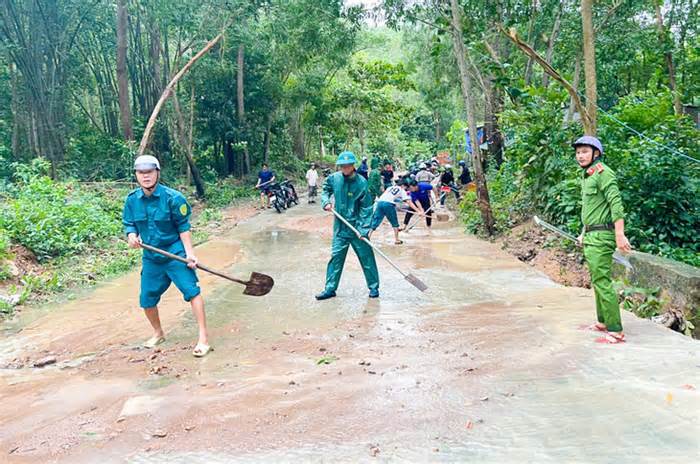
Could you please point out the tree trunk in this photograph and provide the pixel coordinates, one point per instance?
(321, 147)
(589, 67)
(241, 107)
(493, 104)
(186, 148)
(530, 33)
(668, 56)
(460, 55)
(266, 142)
(122, 77)
(298, 133)
(550, 42)
(577, 79)
(169, 90)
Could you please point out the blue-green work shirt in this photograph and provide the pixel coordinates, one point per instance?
(158, 219)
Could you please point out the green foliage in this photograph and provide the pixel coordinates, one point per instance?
(644, 302)
(660, 191)
(506, 202)
(51, 218)
(224, 192)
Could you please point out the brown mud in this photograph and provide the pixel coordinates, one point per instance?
(488, 365)
(533, 245)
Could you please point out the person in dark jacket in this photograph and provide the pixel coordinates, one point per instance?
(447, 182)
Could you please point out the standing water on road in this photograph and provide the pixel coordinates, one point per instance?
(486, 366)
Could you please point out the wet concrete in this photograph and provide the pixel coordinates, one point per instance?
(487, 366)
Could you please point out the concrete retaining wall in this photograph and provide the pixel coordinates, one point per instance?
(680, 281)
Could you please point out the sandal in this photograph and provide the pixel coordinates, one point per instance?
(201, 350)
(597, 327)
(153, 342)
(398, 242)
(611, 338)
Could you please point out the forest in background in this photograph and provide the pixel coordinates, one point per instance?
(289, 82)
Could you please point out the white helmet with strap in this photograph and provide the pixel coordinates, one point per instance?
(146, 163)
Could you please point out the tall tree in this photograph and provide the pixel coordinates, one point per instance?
(665, 45)
(240, 99)
(122, 76)
(465, 79)
(589, 66)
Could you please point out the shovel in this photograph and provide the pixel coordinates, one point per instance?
(617, 256)
(413, 280)
(258, 285)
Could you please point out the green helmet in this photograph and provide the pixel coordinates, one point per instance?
(346, 157)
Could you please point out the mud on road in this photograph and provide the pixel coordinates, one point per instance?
(487, 366)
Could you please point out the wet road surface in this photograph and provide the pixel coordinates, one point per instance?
(487, 366)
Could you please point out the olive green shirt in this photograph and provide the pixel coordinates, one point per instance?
(601, 197)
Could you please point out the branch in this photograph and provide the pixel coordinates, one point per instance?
(513, 36)
(169, 91)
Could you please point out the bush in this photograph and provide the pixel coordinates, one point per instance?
(51, 218)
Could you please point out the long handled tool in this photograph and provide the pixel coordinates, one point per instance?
(425, 213)
(617, 256)
(413, 280)
(258, 285)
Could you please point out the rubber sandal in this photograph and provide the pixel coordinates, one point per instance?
(153, 342)
(592, 328)
(201, 351)
(611, 339)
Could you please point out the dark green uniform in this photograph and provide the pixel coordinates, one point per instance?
(159, 219)
(375, 180)
(353, 202)
(602, 206)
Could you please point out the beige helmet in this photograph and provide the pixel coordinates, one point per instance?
(146, 163)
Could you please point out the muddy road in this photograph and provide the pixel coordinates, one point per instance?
(487, 366)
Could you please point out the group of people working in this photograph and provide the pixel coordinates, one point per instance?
(159, 216)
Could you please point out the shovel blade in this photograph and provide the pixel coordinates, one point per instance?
(416, 282)
(259, 284)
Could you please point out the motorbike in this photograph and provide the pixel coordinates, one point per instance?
(291, 196)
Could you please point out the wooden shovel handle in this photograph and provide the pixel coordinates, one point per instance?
(184, 260)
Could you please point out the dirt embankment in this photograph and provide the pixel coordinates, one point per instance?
(533, 245)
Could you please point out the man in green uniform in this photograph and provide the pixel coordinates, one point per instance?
(374, 183)
(159, 216)
(603, 221)
(352, 202)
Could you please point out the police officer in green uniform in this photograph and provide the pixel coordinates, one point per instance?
(603, 221)
(353, 202)
(159, 216)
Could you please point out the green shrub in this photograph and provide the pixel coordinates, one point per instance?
(52, 218)
(222, 193)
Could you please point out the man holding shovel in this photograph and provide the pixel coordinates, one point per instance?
(158, 216)
(354, 204)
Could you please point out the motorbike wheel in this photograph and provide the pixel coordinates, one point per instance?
(276, 204)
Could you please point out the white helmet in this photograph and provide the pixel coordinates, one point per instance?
(146, 163)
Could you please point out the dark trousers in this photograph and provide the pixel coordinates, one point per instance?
(443, 195)
(425, 203)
